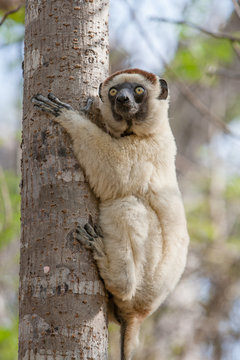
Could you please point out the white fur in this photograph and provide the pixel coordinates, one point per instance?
(143, 252)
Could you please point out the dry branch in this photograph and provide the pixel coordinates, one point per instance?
(9, 13)
(237, 7)
(216, 35)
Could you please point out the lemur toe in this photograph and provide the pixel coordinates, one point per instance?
(98, 230)
(84, 237)
(90, 230)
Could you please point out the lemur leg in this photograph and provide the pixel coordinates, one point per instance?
(119, 254)
(88, 237)
(125, 229)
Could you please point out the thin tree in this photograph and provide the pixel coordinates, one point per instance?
(62, 300)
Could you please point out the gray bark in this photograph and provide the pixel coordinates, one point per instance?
(62, 300)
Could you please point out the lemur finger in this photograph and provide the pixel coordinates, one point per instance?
(54, 99)
(45, 107)
(47, 101)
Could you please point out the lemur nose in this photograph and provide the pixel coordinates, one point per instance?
(122, 98)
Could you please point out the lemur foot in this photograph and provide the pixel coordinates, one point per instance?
(90, 237)
(50, 104)
(86, 235)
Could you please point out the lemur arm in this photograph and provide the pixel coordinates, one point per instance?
(95, 149)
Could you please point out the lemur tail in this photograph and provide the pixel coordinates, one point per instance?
(129, 337)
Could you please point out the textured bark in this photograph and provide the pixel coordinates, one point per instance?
(62, 300)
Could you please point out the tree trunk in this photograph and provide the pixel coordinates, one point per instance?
(62, 300)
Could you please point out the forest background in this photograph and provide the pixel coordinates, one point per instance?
(195, 46)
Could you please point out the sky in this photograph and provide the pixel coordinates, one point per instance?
(11, 85)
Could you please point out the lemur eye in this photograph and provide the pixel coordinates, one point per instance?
(139, 90)
(112, 92)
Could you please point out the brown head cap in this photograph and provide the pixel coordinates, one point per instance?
(149, 76)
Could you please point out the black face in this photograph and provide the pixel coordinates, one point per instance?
(128, 101)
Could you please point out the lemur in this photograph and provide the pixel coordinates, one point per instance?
(130, 167)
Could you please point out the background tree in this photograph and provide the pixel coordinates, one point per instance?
(62, 300)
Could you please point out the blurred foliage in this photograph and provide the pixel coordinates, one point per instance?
(232, 196)
(9, 232)
(233, 109)
(12, 28)
(196, 56)
(9, 342)
(17, 17)
(11, 32)
(10, 212)
(200, 224)
(232, 191)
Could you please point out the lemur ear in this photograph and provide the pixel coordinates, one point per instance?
(99, 91)
(164, 90)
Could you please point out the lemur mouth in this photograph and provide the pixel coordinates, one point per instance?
(126, 109)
